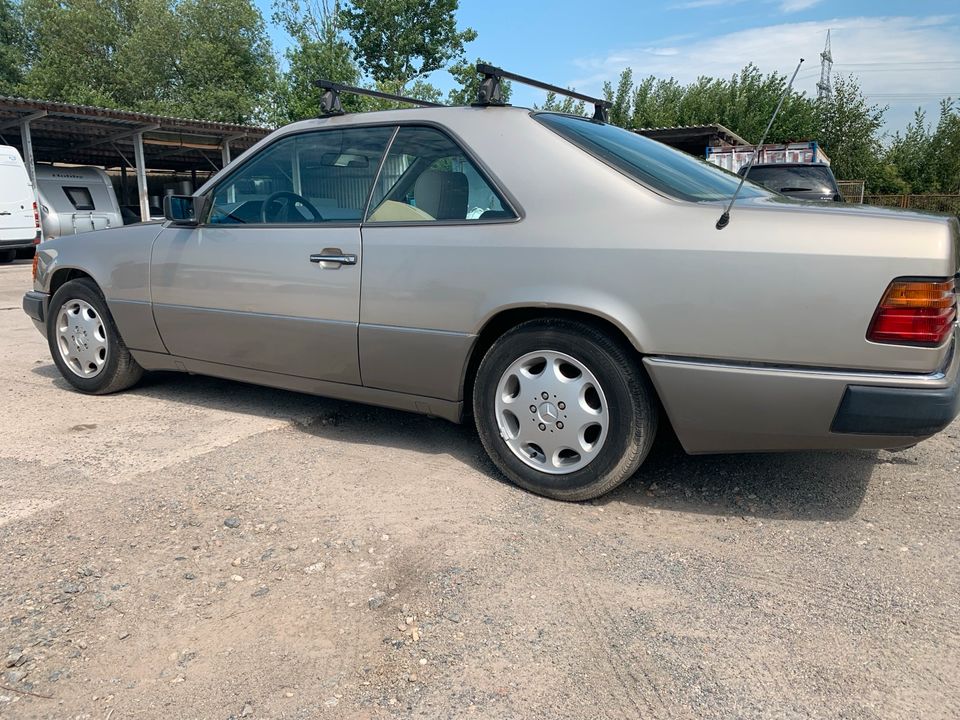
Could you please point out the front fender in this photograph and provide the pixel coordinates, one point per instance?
(118, 261)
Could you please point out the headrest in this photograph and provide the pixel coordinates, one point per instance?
(442, 194)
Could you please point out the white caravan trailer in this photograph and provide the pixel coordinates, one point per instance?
(76, 200)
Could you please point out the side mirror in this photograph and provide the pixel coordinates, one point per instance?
(181, 209)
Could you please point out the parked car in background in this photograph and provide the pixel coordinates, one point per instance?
(19, 222)
(805, 181)
(76, 200)
(557, 279)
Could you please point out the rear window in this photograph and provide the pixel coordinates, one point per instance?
(651, 163)
(809, 178)
(79, 197)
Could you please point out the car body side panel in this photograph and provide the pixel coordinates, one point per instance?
(250, 297)
(118, 260)
(785, 283)
(135, 321)
(420, 362)
(342, 391)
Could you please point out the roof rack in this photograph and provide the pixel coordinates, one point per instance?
(330, 100)
(491, 93)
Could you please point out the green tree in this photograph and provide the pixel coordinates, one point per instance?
(564, 104)
(399, 41)
(209, 59)
(742, 103)
(11, 49)
(71, 49)
(945, 149)
(318, 51)
(620, 112)
(909, 155)
(225, 64)
(849, 130)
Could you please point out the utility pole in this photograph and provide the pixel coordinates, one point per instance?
(826, 65)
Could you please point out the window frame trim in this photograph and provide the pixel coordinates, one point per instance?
(483, 169)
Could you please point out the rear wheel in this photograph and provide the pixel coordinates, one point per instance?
(7, 256)
(563, 409)
(84, 342)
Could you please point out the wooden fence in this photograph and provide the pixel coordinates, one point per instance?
(935, 203)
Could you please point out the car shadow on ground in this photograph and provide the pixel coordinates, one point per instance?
(822, 485)
(802, 486)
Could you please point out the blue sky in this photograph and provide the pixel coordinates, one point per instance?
(904, 54)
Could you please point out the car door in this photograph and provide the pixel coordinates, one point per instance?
(271, 279)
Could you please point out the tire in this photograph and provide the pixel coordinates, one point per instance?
(587, 378)
(7, 256)
(84, 342)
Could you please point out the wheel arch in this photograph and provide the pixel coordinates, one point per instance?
(507, 318)
(62, 275)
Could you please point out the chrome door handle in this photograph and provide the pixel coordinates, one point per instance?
(333, 256)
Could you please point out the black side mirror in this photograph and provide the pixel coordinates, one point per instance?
(181, 209)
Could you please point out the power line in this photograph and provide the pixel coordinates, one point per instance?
(897, 63)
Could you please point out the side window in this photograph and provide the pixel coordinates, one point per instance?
(79, 197)
(316, 177)
(427, 177)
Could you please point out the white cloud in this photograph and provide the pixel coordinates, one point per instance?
(900, 61)
(791, 6)
(786, 6)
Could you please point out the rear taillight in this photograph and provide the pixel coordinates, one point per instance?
(36, 224)
(915, 312)
(36, 259)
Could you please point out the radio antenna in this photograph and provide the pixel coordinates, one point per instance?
(725, 217)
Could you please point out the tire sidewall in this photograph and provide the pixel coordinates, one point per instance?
(86, 291)
(620, 400)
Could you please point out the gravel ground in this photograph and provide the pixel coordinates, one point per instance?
(197, 548)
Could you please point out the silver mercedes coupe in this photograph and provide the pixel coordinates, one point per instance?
(557, 279)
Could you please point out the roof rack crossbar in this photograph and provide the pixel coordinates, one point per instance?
(490, 91)
(330, 100)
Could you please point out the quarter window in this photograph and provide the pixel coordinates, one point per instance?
(426, 177)
(316, 177)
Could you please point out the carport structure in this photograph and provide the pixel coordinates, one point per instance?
(86, 135)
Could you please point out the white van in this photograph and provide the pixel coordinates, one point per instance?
(19, 221)
(76, 200)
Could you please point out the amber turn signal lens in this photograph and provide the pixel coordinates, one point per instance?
(920, 294)
(915, 312)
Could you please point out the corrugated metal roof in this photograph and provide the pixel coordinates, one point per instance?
(93, 111)
(692, 130)
(91, 135)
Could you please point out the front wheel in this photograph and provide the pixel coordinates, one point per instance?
(563, 409)
(84, 342)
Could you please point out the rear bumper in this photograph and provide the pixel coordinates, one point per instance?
(17, 244)
(35, 305)
(897, 411)
(716, 407)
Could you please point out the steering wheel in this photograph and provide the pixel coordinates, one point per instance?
(285, 202)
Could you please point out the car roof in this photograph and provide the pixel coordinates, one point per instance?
(405, 115)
